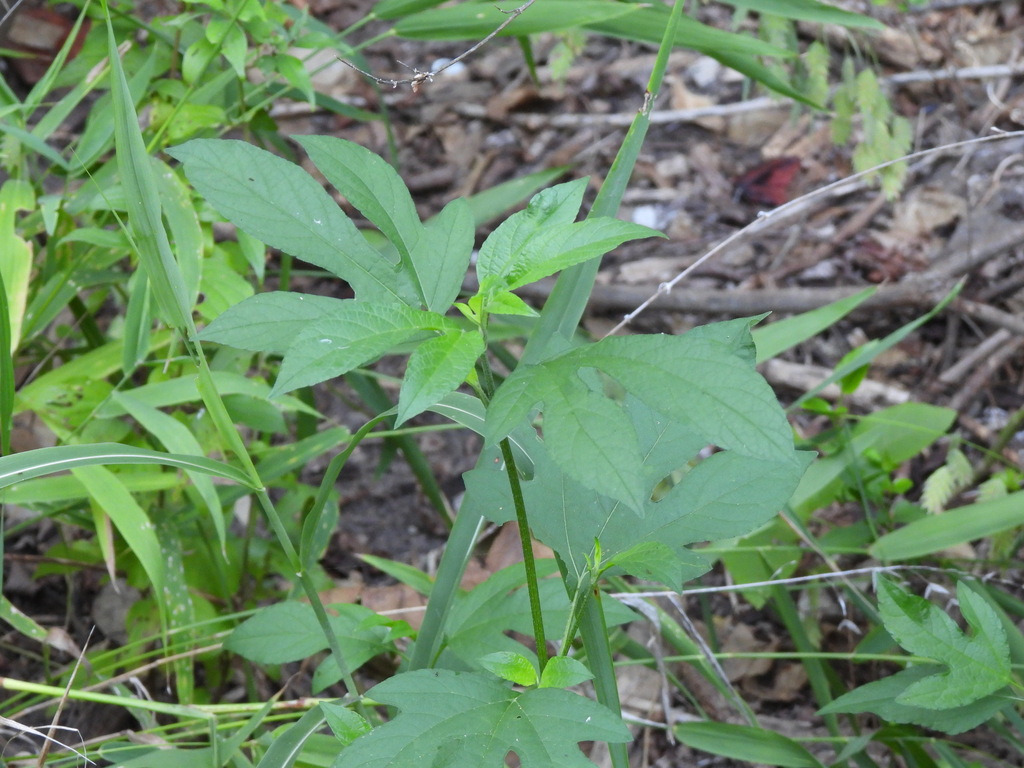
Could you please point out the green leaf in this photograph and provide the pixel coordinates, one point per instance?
(648, 24)
(441, 256)
(354, 334)
(881, 697)
(290, 743)
(476, 20)
(142, 197)
(278, 634)
(724, 496)
(808, 10)
(864, 355)
(289, 631)
(23, 624)
(587, 434)
(402, 572)
(556, 247)
(345, 724)
(169, 392)
(653, 561)
(564, 672)
(743, 742)
(552, 207)
(183, 222)
(437, 367)
(955, 526)
(506, 303)
(704, 380)
(296, 74)
(268, 322)
(46, 461)
(232, 42)
(462, 719)
(131, 521)
(975, 666)
(371, 185)
(776, 338)
(196, 59)
(896, 434)
(283, 206)
(16, 266)
(510, 666)
(393, 9)
(177, 438)
(490, 203)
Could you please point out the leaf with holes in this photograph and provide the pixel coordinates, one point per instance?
(705, 381)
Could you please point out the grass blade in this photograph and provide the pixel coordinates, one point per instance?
(46, 461)
(143, 201)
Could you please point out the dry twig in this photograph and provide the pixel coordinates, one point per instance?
(769, 217)
(418, 77)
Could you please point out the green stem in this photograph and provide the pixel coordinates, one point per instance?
(525, 538)
(527, 544)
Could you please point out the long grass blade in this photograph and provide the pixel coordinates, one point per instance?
(143, 202)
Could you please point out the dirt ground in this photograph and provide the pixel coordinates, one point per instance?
(956, 70)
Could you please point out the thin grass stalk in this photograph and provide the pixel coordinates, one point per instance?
(6, 380)
(564, 308)
(41, 89)
(457, 552)
(817, 673)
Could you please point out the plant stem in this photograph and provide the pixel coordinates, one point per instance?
(525, 538)
(527, 544)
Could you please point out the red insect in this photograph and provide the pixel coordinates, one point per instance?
(767, 183)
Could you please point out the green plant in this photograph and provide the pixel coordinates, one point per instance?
(957, 682)
(602, 452)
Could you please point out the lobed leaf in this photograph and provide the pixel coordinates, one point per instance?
(460, 719)
(704, 381)
(882, 698)
(975, 666)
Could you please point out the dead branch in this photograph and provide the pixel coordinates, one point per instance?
(419, 77)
